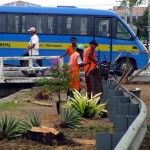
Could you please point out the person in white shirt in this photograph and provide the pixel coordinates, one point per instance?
(33, 49)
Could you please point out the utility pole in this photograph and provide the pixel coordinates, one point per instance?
(149, 24)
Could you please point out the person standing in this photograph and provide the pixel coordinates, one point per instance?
(72, 48)
(33, 49)
(89, 55)
(75, 62)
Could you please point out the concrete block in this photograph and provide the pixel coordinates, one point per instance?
(125, 99)
(111, 94)
(133, 109)
(123, 109)
(103, 141)
(116, 137)
(130, 119)
(115, 111)
(121, 124)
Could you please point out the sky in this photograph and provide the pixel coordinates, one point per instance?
(97, 4)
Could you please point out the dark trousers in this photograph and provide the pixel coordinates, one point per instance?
(88, 84)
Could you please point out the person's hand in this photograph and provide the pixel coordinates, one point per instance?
(26, 51)
(89, 62)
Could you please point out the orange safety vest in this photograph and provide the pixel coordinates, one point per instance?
(91, 66)
(70, 50)
(74, 71)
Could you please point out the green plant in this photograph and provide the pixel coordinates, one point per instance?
(58, 79)
(9, 128)
(148, 132)
(85, 106)
(70, 118)
(30, 120)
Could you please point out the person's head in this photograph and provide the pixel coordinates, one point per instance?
(93, 44)
(73, 41)
(104, 26)
(32, 30)
(80, 49)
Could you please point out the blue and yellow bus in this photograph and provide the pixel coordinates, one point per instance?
(55, 27)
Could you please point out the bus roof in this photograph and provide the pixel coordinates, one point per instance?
(55, 10)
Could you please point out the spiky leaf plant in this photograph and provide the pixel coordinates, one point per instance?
(31, 120)
(70, 118)
(9, 128)
(85, 106)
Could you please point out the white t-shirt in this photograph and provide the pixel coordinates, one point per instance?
(79, 61)
(34, 40)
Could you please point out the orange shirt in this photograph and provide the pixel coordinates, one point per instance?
(74, 72)
(71, 50)
(86, 55)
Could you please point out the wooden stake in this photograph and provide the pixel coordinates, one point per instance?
(123, 78)
(138, 72)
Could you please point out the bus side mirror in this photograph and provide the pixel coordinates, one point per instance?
(138, 32)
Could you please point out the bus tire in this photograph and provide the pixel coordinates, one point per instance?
(122, 66)
(25, 63)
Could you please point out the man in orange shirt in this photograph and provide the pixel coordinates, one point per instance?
(71, 49)
(75, 62)
(89, 55)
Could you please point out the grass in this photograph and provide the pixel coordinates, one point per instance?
(98, 128)
(148, 132)
(10, 105)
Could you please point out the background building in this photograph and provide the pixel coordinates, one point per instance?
(124, 12)
(21, 3)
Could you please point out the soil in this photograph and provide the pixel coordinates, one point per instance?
(80, 138)
(75, 139)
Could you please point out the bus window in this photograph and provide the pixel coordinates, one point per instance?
(65, 25)
(83, 26)
(122, 32)
(13, 24)
(102, 27)
(3, 23)
(45, 24)
(50, 26)
(29, 21)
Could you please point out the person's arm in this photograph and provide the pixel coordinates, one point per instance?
(30, 47)
(64, 54)
(81, 64)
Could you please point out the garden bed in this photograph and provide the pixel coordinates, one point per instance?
(82, 137)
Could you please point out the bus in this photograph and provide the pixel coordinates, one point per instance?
(55, 27)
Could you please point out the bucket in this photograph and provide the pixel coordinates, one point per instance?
(136, 92)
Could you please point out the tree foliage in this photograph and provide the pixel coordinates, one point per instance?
(58, 81)
(142, 24)
(132, 3)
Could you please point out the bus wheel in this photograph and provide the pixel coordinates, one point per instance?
(25, 72)
(122, 66)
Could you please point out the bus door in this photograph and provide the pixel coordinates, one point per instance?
(102, 34)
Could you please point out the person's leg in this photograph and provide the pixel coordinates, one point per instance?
(89, 90)
(35, 64)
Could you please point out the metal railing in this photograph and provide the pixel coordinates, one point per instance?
(20, 68)
(134, 136)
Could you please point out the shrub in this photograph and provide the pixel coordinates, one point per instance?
(58, 79)
(9, 128)
(31, 120)
(70, 118)
(85, 106)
